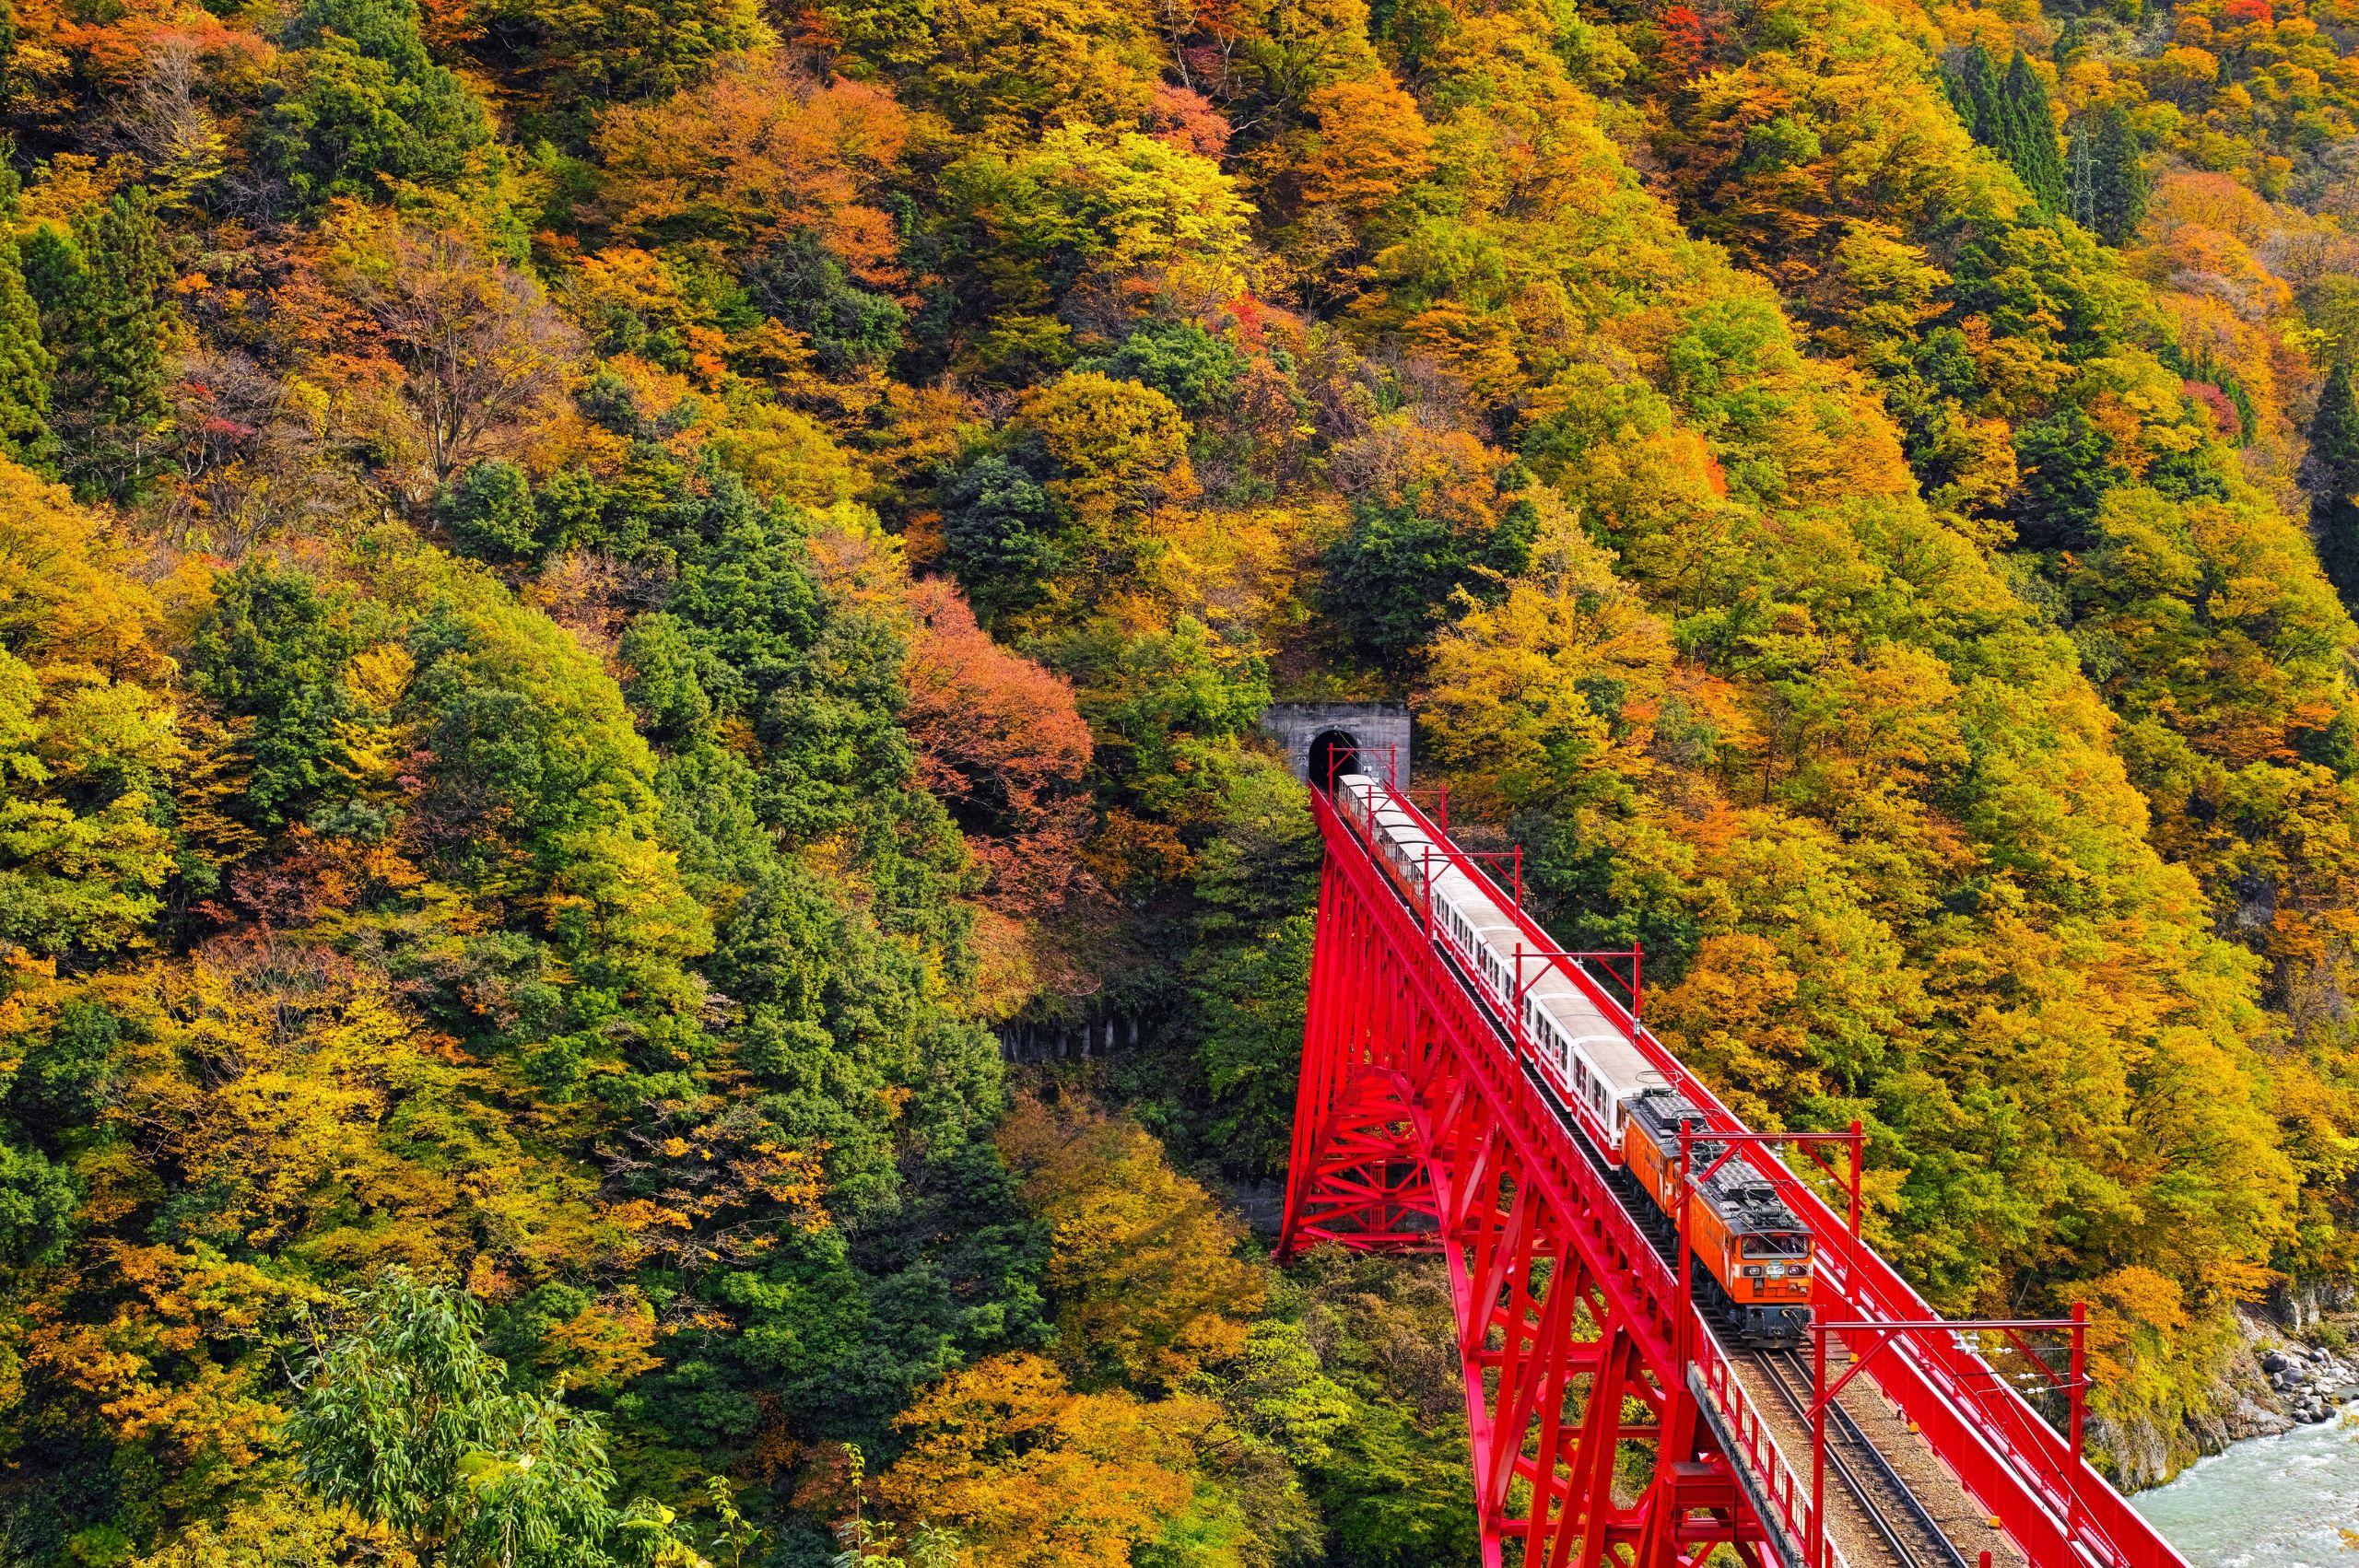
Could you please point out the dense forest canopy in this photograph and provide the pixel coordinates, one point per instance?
(594, 599)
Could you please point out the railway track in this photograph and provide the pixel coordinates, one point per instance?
(1896, 1516)
(1894, 1512)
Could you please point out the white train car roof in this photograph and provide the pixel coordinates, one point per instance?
(1403, 833)
(1450, 887)
(1611, 1054)
(1584, 1023)
(1398, 826)
(1397, 822)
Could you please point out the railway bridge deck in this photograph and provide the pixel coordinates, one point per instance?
(1890, 1501)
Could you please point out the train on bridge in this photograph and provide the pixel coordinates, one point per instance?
(1755, 1255)
(1468, 1087)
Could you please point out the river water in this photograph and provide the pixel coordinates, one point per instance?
(2268, 1503)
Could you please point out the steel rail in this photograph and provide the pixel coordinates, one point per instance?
(1780, 1365)
(1902, 1553)
(2054, 1505)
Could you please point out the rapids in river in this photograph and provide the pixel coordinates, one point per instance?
(2268, 1503)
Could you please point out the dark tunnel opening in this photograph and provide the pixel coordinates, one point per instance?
(1333, 752)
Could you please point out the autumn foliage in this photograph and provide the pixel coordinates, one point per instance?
(621, 625)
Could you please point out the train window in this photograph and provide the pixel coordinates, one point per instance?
(1777, 1244)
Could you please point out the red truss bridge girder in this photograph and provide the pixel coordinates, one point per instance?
(1416, 1130)
(1410, 1134)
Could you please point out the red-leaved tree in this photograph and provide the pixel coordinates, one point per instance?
(1000, 741)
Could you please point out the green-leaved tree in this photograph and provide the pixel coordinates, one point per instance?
(368, 108)
(2029, 141)
(408, 1421)
(2108, 186)
(106, 319)
(25, 367)
(2007, 111)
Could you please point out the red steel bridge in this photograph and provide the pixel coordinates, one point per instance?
(1610, 1425)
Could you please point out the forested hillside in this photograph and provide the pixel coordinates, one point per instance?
(596, 597)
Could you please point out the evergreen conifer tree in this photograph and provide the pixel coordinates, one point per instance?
(1974, 92)
(105, 316)
(2332, 474)
(2108, 186)
(2028, 137)
(2080, 176)
(2007, 111)
(24, 363)
(24, 370)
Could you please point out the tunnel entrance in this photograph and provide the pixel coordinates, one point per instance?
(1311, 735)
(1331, 753)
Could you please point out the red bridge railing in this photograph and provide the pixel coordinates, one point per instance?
(1718, 1474)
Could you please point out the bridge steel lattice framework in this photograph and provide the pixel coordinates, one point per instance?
(1605, 1429)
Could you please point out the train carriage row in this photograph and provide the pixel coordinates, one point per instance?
(1757, 1254)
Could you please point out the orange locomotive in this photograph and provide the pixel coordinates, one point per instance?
(1755, 1255)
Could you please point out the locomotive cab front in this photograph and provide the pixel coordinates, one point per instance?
(1756, 1256)
(1767, 1266)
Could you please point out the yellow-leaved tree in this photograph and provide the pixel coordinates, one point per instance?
(88, 733)
(1143, 1264)
(1032, 1474)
